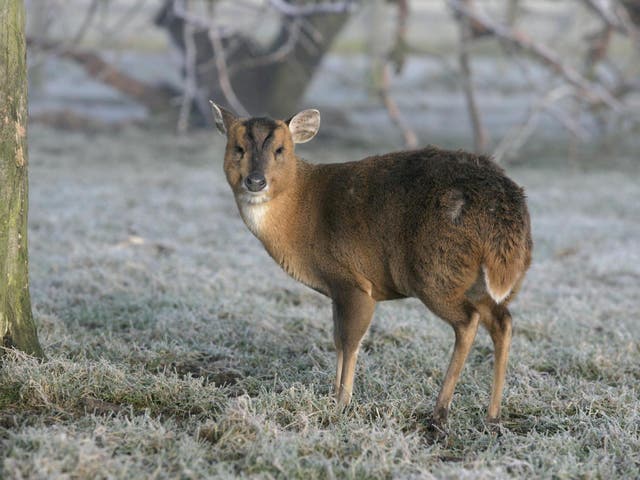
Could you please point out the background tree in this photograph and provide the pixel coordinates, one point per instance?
(17, 328)
(232, 67)
(588, 89)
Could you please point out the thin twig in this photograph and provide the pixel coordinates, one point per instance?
(570, 123)
(190, 82)
(293, 10)
(410, 138)
(518, 135)
(84, 26)
(151, 96)
(276, 56)
(180, 11)
(119, 25)
(594, 92)
(513, 8)
(479, 132)
(311, 38)
(223, 75)
(606, 11)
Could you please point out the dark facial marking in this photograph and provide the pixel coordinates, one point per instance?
(259, 131)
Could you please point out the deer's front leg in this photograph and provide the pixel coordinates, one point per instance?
(352, 314)
(337, 341)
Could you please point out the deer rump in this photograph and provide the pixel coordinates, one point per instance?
(445, 220)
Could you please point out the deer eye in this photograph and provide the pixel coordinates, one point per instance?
(279, 150)
(238, 149)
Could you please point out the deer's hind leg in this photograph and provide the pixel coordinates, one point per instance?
(497, 320)
(464, 318)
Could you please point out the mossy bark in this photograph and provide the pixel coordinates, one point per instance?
(17, 328)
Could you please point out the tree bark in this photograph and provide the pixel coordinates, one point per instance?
(17, 329)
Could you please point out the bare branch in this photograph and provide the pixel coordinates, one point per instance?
(88, 19)
(513, 8)
(595, 93)
(152, 97)
(410, 139)
(292, 10)
(615, 17)
(571, 124)
(126, 17)
(276, 56)
(604, 9)
(598, 48)
(77, 37)
(223, 75)
(630, 22)
(518, 135)
(479, 132)
(180, 11)
(190, 83)
(398, 52)
(626, 87)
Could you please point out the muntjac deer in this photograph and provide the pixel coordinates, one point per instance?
(449, 228)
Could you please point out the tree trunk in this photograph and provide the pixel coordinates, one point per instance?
(16, 322)
(291, 77)
(274, 87)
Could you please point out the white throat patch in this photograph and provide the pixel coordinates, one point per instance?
(253, 211)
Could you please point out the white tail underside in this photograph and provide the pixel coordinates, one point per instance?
(497, 295)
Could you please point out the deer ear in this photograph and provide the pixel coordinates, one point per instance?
(222, 117)
(304, 125)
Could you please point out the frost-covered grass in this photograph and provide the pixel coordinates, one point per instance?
(177, 348)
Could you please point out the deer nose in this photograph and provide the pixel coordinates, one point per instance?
(255, 182)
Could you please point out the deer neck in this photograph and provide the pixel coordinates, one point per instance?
(278, 222)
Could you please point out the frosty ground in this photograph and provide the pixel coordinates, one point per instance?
(178, 349)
